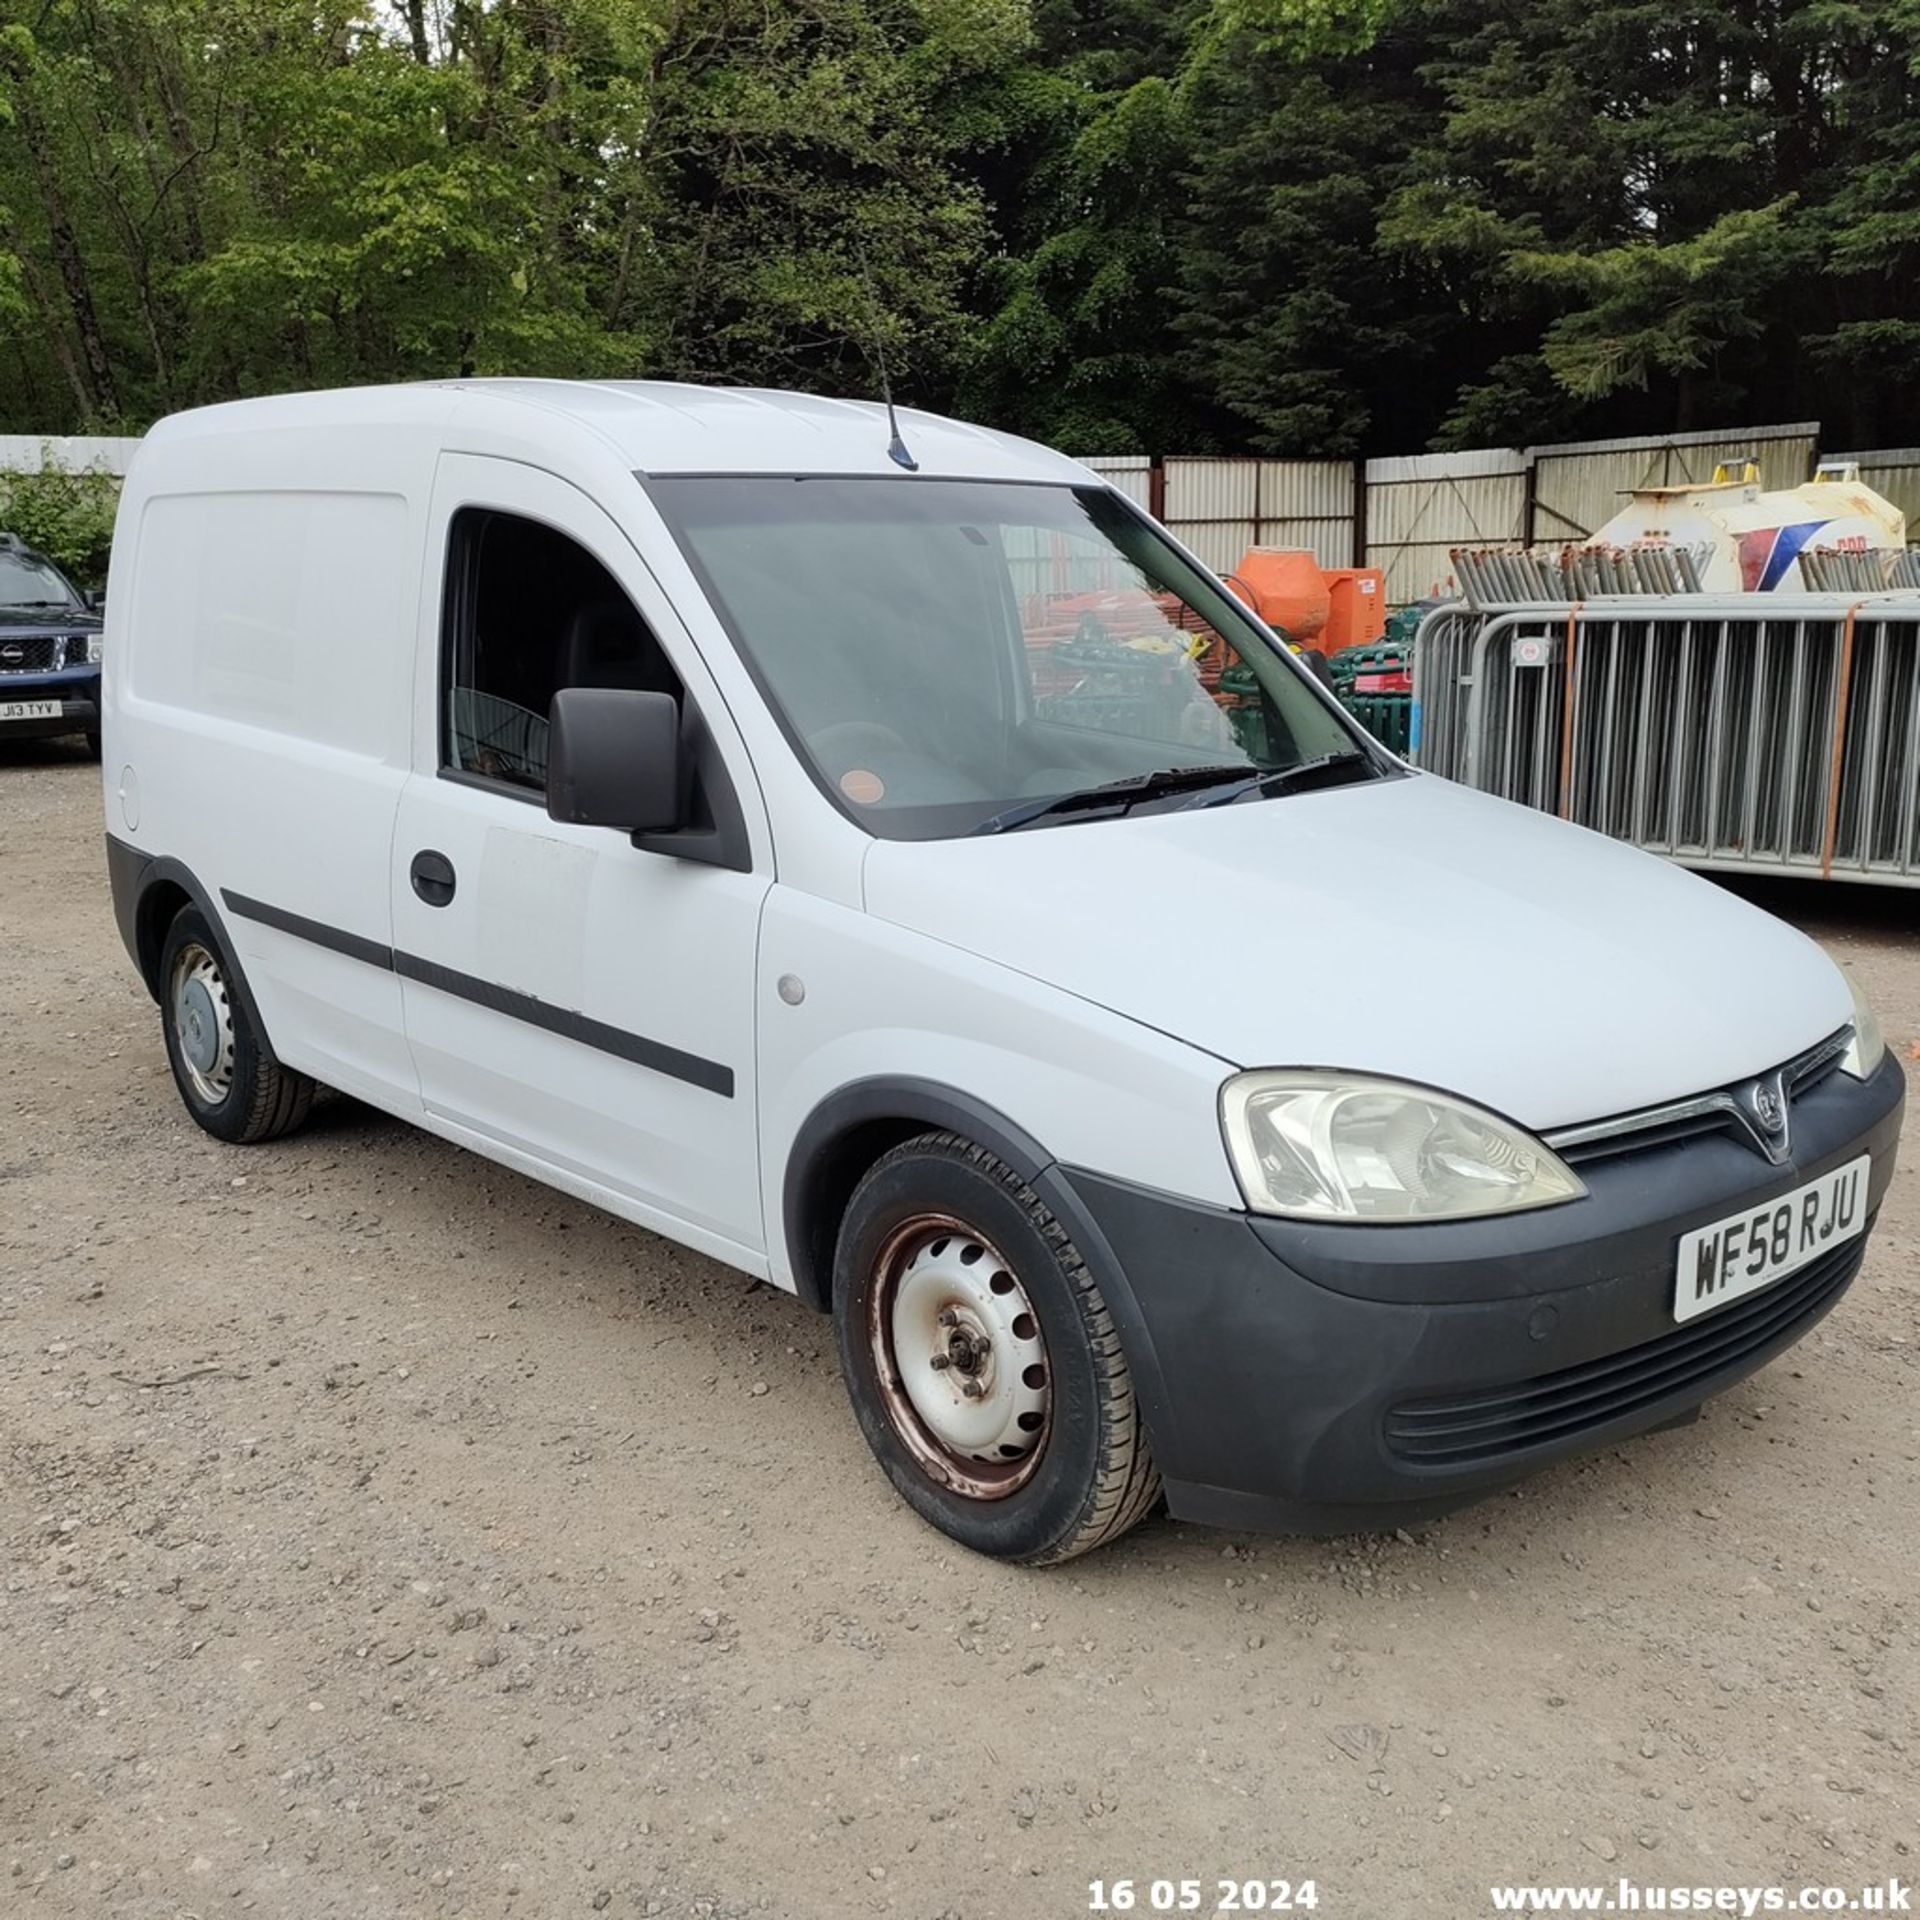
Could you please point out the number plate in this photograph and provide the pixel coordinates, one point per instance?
(29, 710)
(1748, 1251)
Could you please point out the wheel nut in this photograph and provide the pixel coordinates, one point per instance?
(948, 1318)
(939, 1363)
(972, 1389)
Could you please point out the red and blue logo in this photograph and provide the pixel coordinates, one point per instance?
(1767, 552)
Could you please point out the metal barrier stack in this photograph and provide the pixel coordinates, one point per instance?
(1647, 566)
(1526, 576)
(1850, 570)
(1508, 576)
(1763, 735)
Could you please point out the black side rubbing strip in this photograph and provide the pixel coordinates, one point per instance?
(351, 944)
(655, 1055)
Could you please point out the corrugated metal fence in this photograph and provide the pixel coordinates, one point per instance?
(1405, 515)
(1577, 489)
(1131, 473)
(1221, 507)
(1422, 506)
(29, 453)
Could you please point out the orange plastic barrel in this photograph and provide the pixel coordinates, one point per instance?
(1285, 587)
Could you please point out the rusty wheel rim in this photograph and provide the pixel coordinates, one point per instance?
(961, 1360)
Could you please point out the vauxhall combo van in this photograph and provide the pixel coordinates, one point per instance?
(876, 855)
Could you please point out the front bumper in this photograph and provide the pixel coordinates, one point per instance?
(76, 688)
(1296, 1377)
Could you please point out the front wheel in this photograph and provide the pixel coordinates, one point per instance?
(982, 1360)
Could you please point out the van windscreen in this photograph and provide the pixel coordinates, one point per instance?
(952, 654)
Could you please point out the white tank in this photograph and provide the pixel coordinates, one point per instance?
(1746, 539)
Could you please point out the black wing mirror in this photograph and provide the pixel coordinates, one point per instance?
(613, 759)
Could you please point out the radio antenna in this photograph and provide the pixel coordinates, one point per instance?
(896, 446)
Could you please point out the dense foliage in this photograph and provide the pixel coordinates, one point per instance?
(66, 516)
(1290, 226)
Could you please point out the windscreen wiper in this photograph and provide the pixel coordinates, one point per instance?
(1329, 770)
(1118, 794)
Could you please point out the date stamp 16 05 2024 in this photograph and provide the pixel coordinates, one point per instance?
(1212, 1895)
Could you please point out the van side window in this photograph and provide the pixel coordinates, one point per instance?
(529, 611)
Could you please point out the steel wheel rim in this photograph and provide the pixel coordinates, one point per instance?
(201, 1014)
(962, 1363)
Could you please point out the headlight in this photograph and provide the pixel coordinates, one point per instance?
(94, 648)
(1336, 1146)
(1868, 1047)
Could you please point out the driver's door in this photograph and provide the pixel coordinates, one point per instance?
(573, 1004)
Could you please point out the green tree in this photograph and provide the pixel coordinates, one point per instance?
(1870, 338)
(1298, 226)
(204, 198)
(1644, 207)
(1305, 334)
(1076, 346)
(66, 516)
(803, 213)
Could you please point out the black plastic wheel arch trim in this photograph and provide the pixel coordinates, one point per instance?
(131, 876)
(655, 1055)
(932, 1107)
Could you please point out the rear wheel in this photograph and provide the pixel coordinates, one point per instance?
(228, 1082)
(982, 1361)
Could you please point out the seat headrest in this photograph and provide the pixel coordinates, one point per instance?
(608, 645)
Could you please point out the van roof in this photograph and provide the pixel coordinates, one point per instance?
(659, 426)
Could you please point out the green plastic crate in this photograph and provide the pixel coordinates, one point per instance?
(1404, 622)
(1246, 711)
(1375, 684)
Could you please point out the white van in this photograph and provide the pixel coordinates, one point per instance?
(894, 867)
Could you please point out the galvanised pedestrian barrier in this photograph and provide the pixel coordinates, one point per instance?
(1760, 735)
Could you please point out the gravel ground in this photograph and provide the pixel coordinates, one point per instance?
(382, 1534)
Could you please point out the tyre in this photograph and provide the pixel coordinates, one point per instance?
(229, 1084)
(982, 1361)
(92, 743)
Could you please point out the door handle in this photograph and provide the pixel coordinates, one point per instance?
(432, 877)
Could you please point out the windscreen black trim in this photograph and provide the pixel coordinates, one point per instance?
(655, 1055)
